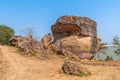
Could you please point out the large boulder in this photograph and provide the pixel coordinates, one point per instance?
(77, 35)
(74, 25)
(70, 67)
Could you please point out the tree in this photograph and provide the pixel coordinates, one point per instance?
(116, 40)
(5, 34)
(29, 33)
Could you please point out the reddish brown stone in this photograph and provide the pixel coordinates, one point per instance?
(76, 35)
(70, 67)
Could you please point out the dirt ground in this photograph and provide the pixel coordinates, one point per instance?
(14, 66)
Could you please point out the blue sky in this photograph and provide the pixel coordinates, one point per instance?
(41, 14)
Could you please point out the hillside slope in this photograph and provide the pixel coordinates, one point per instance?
(19, 67)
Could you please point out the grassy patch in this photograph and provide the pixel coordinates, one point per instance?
(33, 53)
(20, 51)
(83, 74)
(52, 75)
(113, 77)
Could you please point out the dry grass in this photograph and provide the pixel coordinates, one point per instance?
(27, 68)
(107, 70)
(3, 67)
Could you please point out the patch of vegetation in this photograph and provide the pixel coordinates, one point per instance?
(84, 74)
(102, 46)
(79, 74)
(108, 58)
(33, 53)
(20, 51)
(118, 50)
(45, 56)
(114, 77)
(116, 40)
(5, 34)
(62, 56)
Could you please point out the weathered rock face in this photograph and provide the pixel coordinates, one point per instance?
(70, 67)
(27, 45)
(31, 46)
(46, 41)
(74, 25)
(17, 40)
(76, 45)
(74, 37)
(77, 35)
(46, 49)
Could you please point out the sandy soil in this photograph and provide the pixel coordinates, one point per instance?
(19, 67)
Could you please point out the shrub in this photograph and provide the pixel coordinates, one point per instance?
(116, 40)
(5, 34)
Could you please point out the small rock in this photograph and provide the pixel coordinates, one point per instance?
(70, 67)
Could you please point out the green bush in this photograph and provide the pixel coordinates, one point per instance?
(5, 34)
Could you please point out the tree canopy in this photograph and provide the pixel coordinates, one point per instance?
(116, 40)
(5, 34)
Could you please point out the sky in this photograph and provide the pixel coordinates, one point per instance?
(42, 14)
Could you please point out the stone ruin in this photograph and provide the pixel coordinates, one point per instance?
(74, 37)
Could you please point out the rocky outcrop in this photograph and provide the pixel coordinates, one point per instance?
(46, 41)
(46, 49)
(75, 35)
(27, 45)
(17, 40)
(70, 67)
(31, 46)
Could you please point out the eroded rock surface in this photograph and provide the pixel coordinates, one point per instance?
(74, 25)
(76, 35)
(31, 46)
(46, 41)
(27, 45)
(70, 67)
